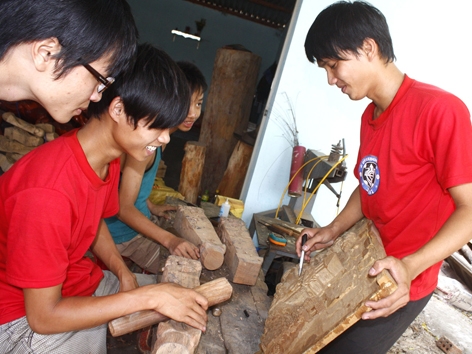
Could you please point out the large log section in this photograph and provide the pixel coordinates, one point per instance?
(192, 225)
(311, 310)
(227, 109)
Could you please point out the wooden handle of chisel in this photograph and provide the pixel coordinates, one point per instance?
(216, 292)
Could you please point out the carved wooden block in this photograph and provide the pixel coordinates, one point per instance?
(311, 310)
(241, 257)
(192, 225)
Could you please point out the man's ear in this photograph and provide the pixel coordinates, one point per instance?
(116, 109)
(42, 53)
(370, 48)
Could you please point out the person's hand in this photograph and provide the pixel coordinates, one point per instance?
(181, 304)
(180, 247)
(128, 281)
(162, 210)
(317, 239)
(399, 297)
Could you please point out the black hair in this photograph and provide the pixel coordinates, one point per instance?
(86, 29)
(194, 76)
(155, 90)
(343, 27)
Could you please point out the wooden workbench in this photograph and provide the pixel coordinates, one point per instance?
(239, 327)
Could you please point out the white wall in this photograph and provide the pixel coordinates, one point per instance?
(432, 43)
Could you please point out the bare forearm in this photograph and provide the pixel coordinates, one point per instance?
(77, 313)
(144, 226)
(351, 213)
(104, 248)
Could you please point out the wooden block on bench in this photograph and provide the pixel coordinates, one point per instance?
(311, 310)
(241, 257)
(192, 225)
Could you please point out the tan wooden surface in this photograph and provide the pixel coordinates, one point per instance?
(192, 170)
(227, 109)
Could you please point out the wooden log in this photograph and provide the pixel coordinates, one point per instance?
(20, 123)
(192, 225)
(50, 136)
(227, 109)
(8, 145)
(241, 257)
(310, 310)
(48, 128)
(232, 182)
(216, 292)
(182, 271)
(23, 137)
(192, 170)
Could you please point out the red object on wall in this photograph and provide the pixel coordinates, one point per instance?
(295, 187)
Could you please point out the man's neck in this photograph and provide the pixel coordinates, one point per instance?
(386, 88)
(13, 75)
(96, 140)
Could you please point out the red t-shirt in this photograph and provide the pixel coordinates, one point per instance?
(51, 203)
(408, 157)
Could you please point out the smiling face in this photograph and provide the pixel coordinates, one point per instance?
(142, 142)
(351, 74)
(69, 95)
(194, 111)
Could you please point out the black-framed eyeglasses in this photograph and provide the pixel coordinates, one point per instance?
(105, 82)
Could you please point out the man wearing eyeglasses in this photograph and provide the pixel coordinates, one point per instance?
(63, 54)
(53, 299)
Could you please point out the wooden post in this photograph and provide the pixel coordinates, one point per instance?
(310, 310)
(192, 224)
(233, 178)
(192, 170)
(227, 109)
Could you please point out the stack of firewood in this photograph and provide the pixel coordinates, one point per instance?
(20, 137)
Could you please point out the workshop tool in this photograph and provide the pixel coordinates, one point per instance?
(276, 240)
(302, 257)
(282, 230)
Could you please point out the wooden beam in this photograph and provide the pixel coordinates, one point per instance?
(241, 257)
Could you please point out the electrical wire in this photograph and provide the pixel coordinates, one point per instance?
(291, 179)
(304, 205)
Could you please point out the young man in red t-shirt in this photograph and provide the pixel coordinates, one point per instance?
(414, 169)
(52, 205)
